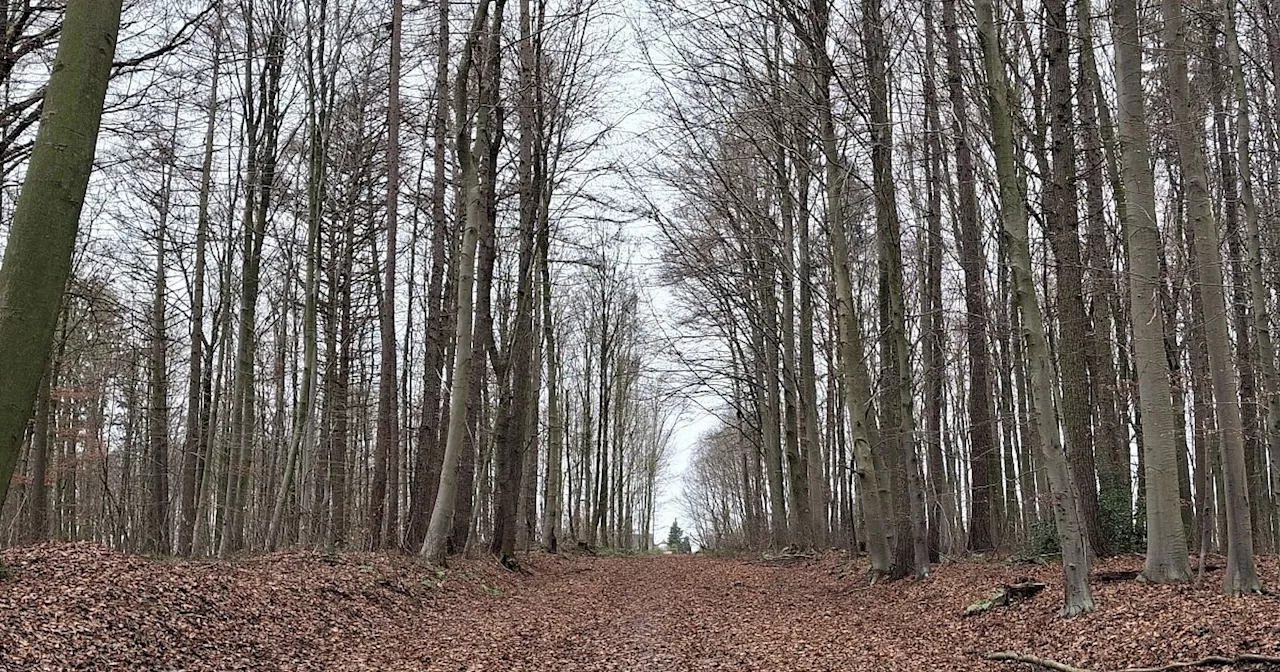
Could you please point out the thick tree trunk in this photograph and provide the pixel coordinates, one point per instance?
(811, 442)
(1062, 220)
(193, 443)
(1257, 288)
(384, 493)
(768, 398)
(852, 368)
(897, 424)
(303, 431)
(42, 233)
(513, 408)
(260, 174)
(1111, 445)
(156, 539)
(340, 436)
(1242, 325)
(984, 454)
(551, 493)
(427, 459)
(932, 324)
(1166, 545)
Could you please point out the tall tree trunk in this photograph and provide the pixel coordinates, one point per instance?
(852, 368)
(1241, 575)
(800, 519)
(441, 525)
(1061, 219)
(932, 326)
(193, 443)
(340, 437)
(551, 494)
(984, 455)
(513, 408)
(156, 539)
(479, 440)
(427, 459)
(1071, 532)
(897, 424)
(1242, 325)
(1257, 288)
(260, 174)
(1166, 545)
(768, 400)
(1111, 445)
(303, 429)
(384, 492)
(811, 442)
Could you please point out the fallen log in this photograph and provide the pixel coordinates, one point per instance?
(1208, 661)
(1123, 575)
(789, 555)
(1005, 595)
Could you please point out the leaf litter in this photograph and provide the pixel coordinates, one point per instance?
(79, 606)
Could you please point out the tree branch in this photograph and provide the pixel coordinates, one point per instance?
(1208, 661)
(1015, 657)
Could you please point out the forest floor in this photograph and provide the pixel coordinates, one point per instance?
(79, 606)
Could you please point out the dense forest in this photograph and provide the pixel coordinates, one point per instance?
(937, 278)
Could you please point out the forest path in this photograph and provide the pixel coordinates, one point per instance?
(82, 607)
(699, 613)
(676, 613)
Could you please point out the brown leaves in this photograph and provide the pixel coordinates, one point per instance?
(78, 606)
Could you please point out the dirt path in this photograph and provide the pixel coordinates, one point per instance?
(78, 606)
(690, 613)
(695, 613)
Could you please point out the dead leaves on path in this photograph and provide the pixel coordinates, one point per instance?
(78, 606)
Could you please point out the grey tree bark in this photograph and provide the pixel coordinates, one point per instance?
(1066, 512)
(193, 444)
(983, 452)
(434, 545)
(1166, 545)
(1241, 575)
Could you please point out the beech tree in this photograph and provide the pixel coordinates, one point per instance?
(1065, 506)
(1166, 545)
(1241, 575)
(42, 236)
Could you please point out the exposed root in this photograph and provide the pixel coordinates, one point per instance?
(512, 564)
(789, 556)
(1074, 610)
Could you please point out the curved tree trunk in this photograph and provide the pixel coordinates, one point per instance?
(440, 528)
